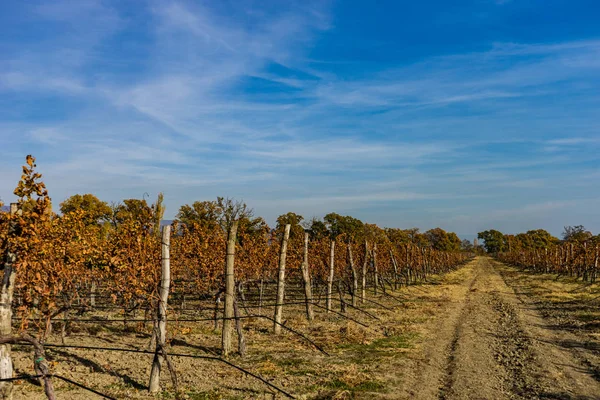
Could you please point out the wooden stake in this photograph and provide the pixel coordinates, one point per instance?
(363, 293)
(307, 284)
(161, 311)
(374, 260)
(281, 281)
(229, 290)
(330, 277)
(6, 296)
(354, 274)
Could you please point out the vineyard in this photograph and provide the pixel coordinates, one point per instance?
(112, 302)
(571, 259)
(216, 270)
(577, 255)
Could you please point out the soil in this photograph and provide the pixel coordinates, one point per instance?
(493, 343)
(485, 331)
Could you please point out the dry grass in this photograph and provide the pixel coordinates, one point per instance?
(364, 362)
(568, 302)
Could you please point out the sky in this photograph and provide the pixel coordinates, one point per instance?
(468, 115)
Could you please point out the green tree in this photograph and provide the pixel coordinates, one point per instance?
(438, 238)
(318, 229)
(455, 242)
(294, 220)
(540, 239)
(515, 242)
(417, 238)
(334, 224)
(204, 213)
(96, 210)
(466, 245)
(220, 213)
(135, 210)
(441, 240)
(353, 227)
(576, 233)
(494, 241)
(339, 224)
(397, 236)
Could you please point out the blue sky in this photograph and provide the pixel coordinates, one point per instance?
(467, 115)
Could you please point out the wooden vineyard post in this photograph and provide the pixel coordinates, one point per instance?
(330, 277)
(310, 315)
(363, 293)
(281, 281)
(354, 275)
(229, 290)
(261, 287)
(395, 265)
(595, 272)
(239, 330)
(6, 296)
(374, 261)
(161, 311)
(407, 264)
(93, 294)
(425, 263)
(341, 295)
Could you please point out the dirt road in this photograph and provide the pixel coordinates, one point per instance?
(492, 343)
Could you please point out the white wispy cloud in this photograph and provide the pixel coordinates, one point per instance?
(231, 101)
(574, 141)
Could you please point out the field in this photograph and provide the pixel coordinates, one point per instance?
(219, 305)
(484, 331)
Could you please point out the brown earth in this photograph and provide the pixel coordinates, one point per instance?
(493, 343)
(484, 331)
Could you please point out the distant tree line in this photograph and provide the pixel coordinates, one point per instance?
(496, 242)
(210, 213)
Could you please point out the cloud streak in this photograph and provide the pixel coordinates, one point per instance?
(199, 100)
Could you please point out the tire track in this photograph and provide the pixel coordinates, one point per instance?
(490, 354)
(451, 361)
(514, 352)
(491, 343)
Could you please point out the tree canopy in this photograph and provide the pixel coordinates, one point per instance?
(576, 233)
(95, 209)
(494, 241)
(294, 220)
(220, 213)
(442, 240)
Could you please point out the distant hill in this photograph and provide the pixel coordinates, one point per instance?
(4, 209)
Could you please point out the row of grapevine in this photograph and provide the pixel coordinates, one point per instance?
(62, 263)
(572, 259)
(577, 254)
